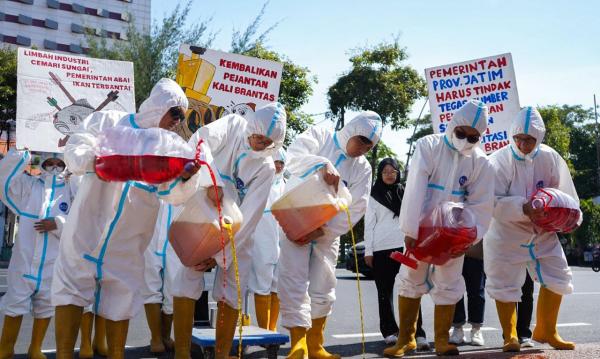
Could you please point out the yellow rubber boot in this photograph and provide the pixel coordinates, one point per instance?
(116, 336)
(154, 324)
(274, 313)
(99, 344)
(40, 325)
(546, 315)
(262, 305)
(507, 313)
(227, 318)
(315, 337)
(86, 351)
(298, 348)
(442, 320)
(67, 321)
(183, 322)
(408, 309)
(10, 333)
(166, 324)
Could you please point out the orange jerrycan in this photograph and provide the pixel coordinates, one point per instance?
(308, 205)
(195, 234)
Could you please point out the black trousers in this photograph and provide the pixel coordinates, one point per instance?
(384, 273)
(525, 309)
(475, 282)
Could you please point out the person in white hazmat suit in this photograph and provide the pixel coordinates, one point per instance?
(161, 264)
(265, 255)
(512, 244)
(444, 167)
(101, 249)
(242, 150)
(42, 204)
(307, 269)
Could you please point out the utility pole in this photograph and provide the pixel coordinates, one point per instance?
(408, 155)
(597, 142)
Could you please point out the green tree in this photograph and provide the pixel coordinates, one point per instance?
(8, 85)
(589, 232)
(379, 81)
(557, 132)
(154, 55)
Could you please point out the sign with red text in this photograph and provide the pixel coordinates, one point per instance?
(218, 83)
(490, 80)
(56, 92)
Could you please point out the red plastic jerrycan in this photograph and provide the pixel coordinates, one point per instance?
(449, 229)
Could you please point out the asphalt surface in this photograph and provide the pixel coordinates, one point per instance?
(579, 321)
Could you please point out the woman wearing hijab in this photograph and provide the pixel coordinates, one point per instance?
(382, 237)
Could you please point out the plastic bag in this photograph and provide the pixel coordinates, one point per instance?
(308, 205)
(195, 233)
(151, 155)
(561, 211)
(448, 229)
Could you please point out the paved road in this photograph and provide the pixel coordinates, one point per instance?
(579, 320)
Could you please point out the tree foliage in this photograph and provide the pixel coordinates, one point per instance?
(589, 232)
(154, 55)
(8, 84)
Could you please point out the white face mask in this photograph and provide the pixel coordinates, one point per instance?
(526, 157)
(462, 145)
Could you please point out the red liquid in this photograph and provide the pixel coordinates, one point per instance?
(300, 221)
(196, 242)
(558, 219)
(146, 168)
(436, 245)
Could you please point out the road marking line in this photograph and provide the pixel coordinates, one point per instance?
(488, 329)
(358, 335)
(577, 293)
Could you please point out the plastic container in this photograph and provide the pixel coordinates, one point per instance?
(150, 155)
(449, 229)
(561, 211)
(195, 233)
(308, 205)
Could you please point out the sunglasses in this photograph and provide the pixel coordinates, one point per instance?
(177, 114)
(461, 135)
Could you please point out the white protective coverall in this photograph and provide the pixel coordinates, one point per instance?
(512, 245)
(33, 198)
(307, 272)
(101, 250)
(161, 261)
(265, 255)
(246, 176)
(438, 173)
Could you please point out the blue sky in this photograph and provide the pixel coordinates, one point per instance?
(555, 44)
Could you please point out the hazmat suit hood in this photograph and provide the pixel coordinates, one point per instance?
(280, 155)
(528, 122)
(367, 124)
(270, 121)
(473, 113)
(54, 170)
(164, 95)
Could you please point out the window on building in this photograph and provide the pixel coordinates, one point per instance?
(80, 9)
(75, 49)
(50, 45)
(53, 4)
(51, 24)
(77, 29)
(24, 19)
(23, 41)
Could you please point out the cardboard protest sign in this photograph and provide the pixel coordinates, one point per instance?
(56, 92)
(490, 80)
(219, 83)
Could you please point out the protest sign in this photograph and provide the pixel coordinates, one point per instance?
(490, 80)
(219, 83)
(56, 92)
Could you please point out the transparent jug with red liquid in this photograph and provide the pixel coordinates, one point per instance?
(150, 155)
(448, 229)
(195, 233)
(309, 204)
(561, 211)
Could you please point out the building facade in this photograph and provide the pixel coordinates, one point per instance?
(62, 25)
